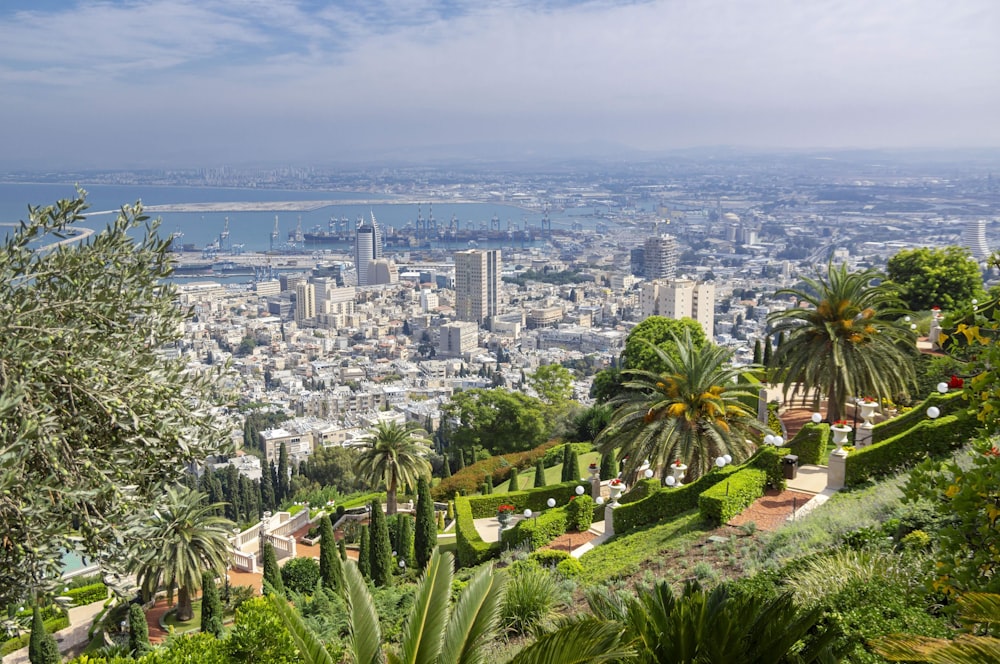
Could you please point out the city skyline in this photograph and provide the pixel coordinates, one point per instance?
(176, 82)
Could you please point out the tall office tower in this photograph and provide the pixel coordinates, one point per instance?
(974, 238)
(367, 247)
(477, 280)
(305, 302)
(382, 271)
(637, 261)
(660, 257)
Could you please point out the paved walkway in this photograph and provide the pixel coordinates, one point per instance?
(71, 640)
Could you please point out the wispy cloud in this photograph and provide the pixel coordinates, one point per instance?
(294, 73)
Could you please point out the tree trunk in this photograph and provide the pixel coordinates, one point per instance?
(390, 497)
(184, 609)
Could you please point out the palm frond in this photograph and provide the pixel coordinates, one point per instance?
(311, 649)
(585, 640)
(365, 642)
(474, 618)
(429, 615)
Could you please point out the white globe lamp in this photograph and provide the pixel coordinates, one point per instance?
(933, 412)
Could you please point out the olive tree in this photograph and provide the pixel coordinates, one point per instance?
(95, 418)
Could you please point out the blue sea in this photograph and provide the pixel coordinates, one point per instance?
(253, 229)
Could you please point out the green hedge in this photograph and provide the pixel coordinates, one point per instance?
(725, 500)
(928, 437)
(362, 500)
(52, 625)
(640, 490)
(810, 443)
(470, 547)
(665, 502)
(949, 404)
(554, 456)
(472, 550)
(95, 592)
(469, 480)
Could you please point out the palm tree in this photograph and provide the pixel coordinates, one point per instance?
(394, 453)
(180, 540)
(691, 412)
(848, 341)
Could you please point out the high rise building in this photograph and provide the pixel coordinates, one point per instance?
(660, 257)
(382, 271)
(367, 247)
(477, 282)
(305, 302)
(974, 238)
(680, 298)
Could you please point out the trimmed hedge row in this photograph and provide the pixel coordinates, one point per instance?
(949, 404)
(725, 500)
(468, 480)
(95, 592)
(928, 437)
(469, 546)
(550, 523)
(484, 507)
(810, 443)
(52, 625)
(665, 502)
(640, 490)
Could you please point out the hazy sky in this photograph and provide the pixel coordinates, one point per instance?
(198, 82)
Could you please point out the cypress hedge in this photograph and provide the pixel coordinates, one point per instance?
(42, 648)
(330, 570)
(425, 536)
(211, 607)
(272, 574)
(380, 548)
(364, 552)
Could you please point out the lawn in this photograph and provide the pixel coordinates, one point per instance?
(624, 555)
(553, 475)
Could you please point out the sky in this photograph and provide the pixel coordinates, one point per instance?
(185, 83)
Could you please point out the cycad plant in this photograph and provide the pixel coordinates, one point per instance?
(691, 412)
(973, 608)
(849, 339)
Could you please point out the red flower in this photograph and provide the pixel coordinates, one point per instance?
(572, 498)
(955, 383)
(678, 463)
(615, 482)
(840, 423)
(992, 452)
(505, 508)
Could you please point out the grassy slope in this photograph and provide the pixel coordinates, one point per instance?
(553, 475)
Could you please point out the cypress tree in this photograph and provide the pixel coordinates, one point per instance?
(461, 459)
(573, 474)
(608, 466)
(379, 550)
(330, 571)
(138, 631)
(565, 476)
(440, 520)
(539, 474)
(446, 471)
(767, 352)
(425, 537)
(404, 549)
(268, 492)
(757, 357)
(282, 486)
(451, 511)
(364, 553)
(342, 547)
(392, 523)
(489, 484)
(271, 572)
(211, 606)
(42, 648)
(512, 485)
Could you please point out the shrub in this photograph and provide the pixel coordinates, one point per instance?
(300, 575)
(42, 648)
(469, 546)
(571, 568)
(211, 606)
(664, 503)
(537, 531)
(469, 480)
(52, 625)
(726, 499)
(810, 443)
(640, 490)
(949, 404)
(95, 592)
(916, 540)
(554, 455)
(548, 557)
(928, 437)
(580, 513)
(138, 629)
(530, 599)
